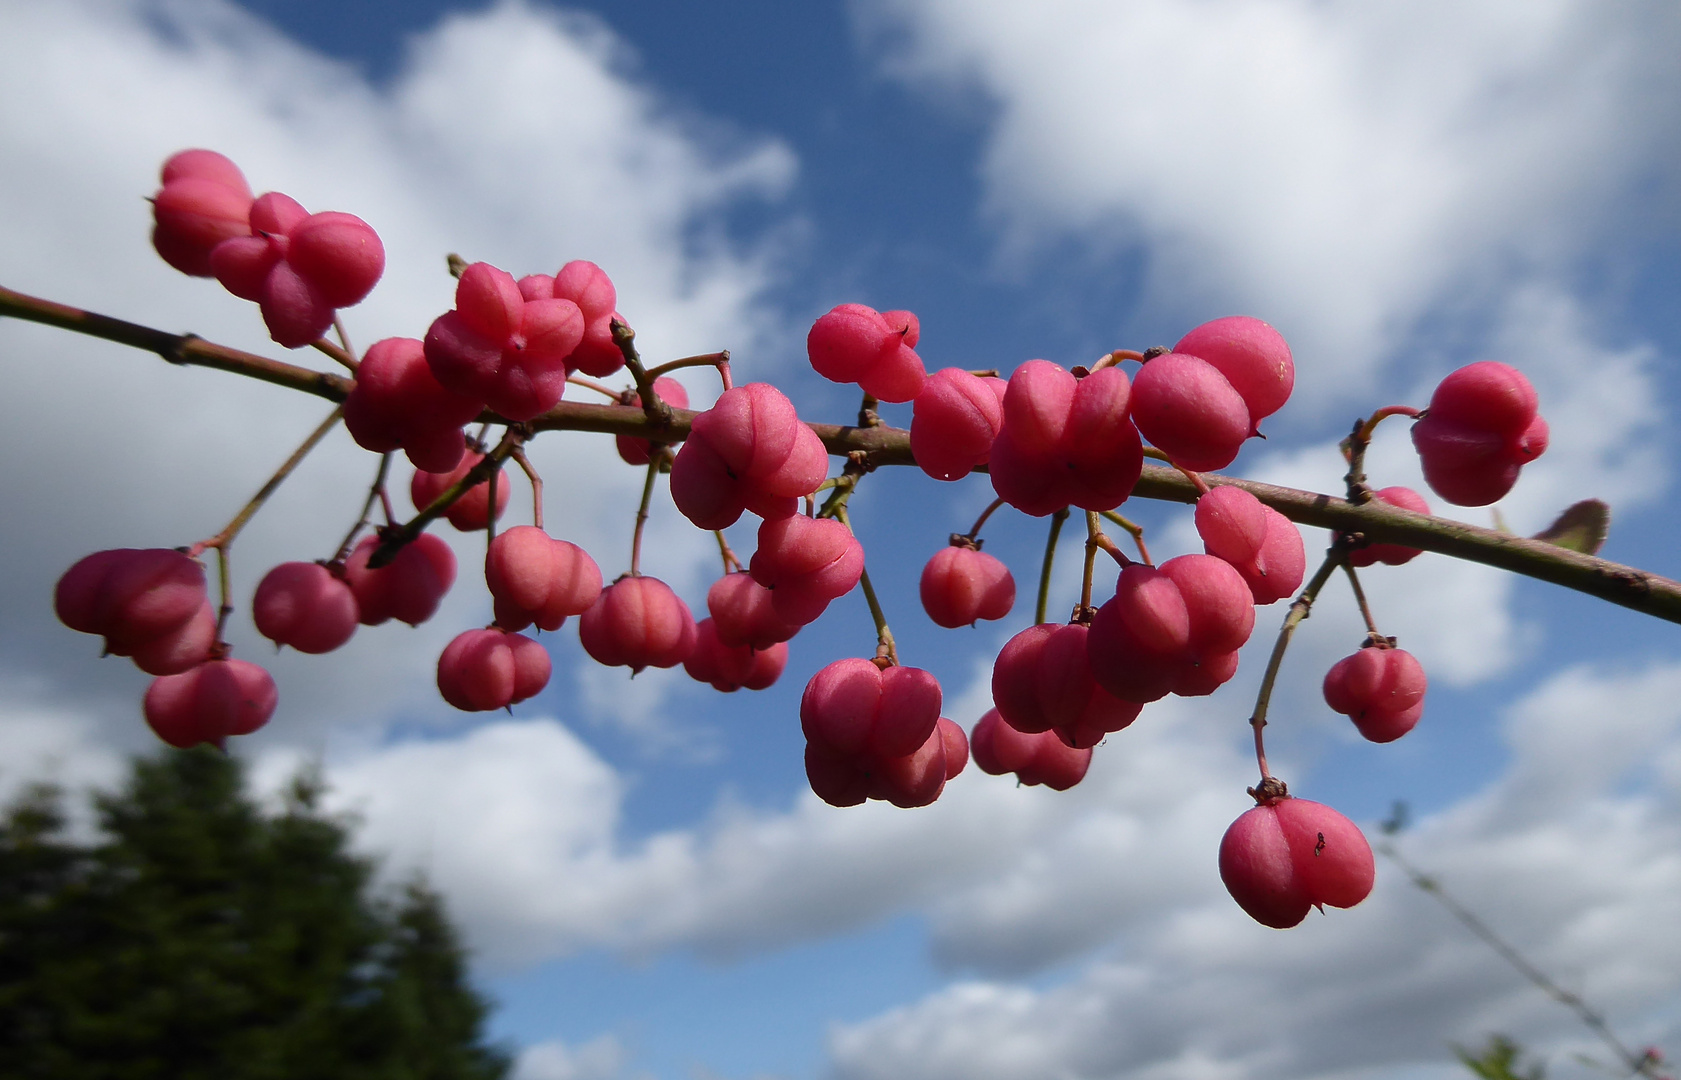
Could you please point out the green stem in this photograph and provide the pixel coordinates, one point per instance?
(1360, 601)
(1299, 610)
(1050, 560)
(642, 516)
(886, 647)
(1135, 531)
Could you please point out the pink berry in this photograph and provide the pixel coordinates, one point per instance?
(1285, 856)
(1391, 554)
(1174, 629)
(499, 348)
(748, 452)
(299, 266)
(302, 604)
(204, 201)
(131, 597)
(409, 588)
(210, 702)
(854, 343)
(806, 563)
(482, 670)
(471, 512)
(1252, 356)
(953, 423)
(1190, 411)
(1260, 543)
(397, 403)
(731, 667)
(1042, 681)
(638, 622)
(1380, 689)
(744, 613)
(854, 707)
(534, 578)
(1065, 441)
(635, 451)
(181, 649)
(1036, 758)
(588, 286)
(1481, 429)
(961, 584)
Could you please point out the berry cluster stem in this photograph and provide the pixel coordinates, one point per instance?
(642, 515)
(376, 491)
(886, 647)
(394, 538)
(1050, 562)
(1354, 449)
(1095, 538)
(719, 360)
(1300, 608)
(731, 562)
(536, 479)
(1628, 586)
(975, 532)
(222, 539)
(1360, 601)
(1136, 532)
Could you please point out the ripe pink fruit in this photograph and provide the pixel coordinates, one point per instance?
(806, 563)
(299, 266)
(854, 343)
(502, 349)
(1042, 681)
(961, 584)
(744, 613)
(181, 649)
(534, 578)
(1065, 441)
(204, 200)
(1174, 629)
(471, 512)
(135, 599)
(588, 286)
(1190, 411)
(953, 423)
(1481, 429)
(748, 452)
(1038, 758)
(1252, 356)
(408, 589)
(1285, 856)
(490, 669)
(1380, 689)
(210, 702)
(635, 451)
(731, 667)
(638, 622)
(397, 403)
(1392, 554)
(302, 604)
(853, 707)
(1260, 543)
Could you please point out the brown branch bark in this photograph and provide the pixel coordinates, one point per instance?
(1628, 586)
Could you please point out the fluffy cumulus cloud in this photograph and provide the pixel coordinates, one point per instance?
(1342, 169)
(516, 135)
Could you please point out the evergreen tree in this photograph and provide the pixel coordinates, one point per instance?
(200, 939)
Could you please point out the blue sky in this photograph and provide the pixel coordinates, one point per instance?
(649, 886)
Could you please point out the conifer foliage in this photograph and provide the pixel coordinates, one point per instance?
(198, 937)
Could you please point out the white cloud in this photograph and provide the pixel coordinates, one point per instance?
(517, 135)
(601, 1058)
(1339, 169)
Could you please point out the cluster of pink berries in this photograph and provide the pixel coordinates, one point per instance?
(1049, 437)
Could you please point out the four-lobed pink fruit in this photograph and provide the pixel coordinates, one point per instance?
(1200, 402)
(305, 605)
(204, 201)
(1479, 432)
(638, 622)
(852, 343)
(534, 578)
(1173, 629)
(501, 348)
(1065, 441)
(1261, 544)
(149, 604)
(1036, 757)
(1042, 681)
(806, 563)
(1380, 688)
(1287, 855)
(397, 403)
(749, 452)
(409, 588)
(962, 584)
(210, 702)
(733, 667)
(487, 669)
(744, 613)
(954, 421)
